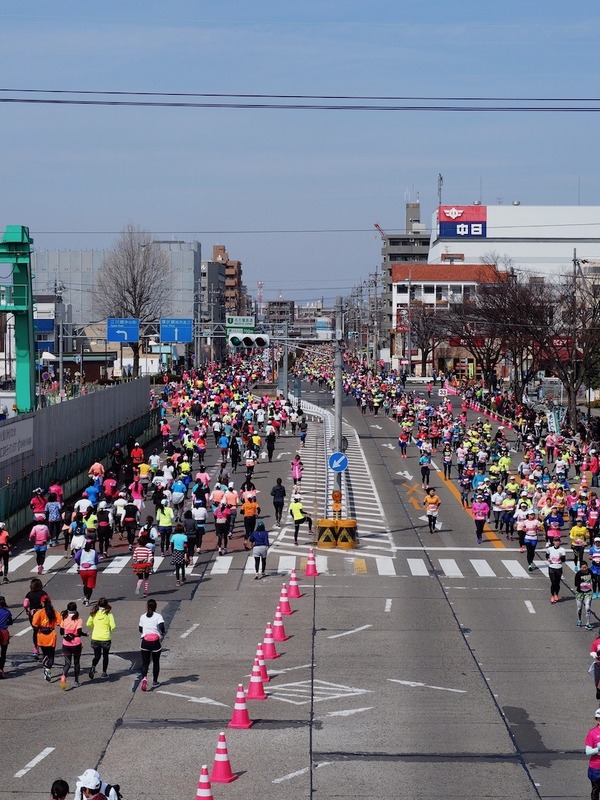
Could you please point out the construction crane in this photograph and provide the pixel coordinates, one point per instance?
(382, 233)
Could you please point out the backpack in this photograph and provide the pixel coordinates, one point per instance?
(117, 789)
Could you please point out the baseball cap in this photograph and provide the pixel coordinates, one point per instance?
(597, 714)
(40, 516)
(90, 779)
(165, 502)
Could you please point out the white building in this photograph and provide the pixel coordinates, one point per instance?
(537, 239)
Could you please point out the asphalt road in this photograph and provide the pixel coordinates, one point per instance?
(417, 666)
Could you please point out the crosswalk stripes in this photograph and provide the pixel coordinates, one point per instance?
(381, 565)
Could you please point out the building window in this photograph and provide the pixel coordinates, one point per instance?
(428, 289)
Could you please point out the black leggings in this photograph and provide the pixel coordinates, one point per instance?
(155, 656)
(72, 654)
(257, 560)
(104, 537)
(101, 650)
(4, 556)
(555, 574)
(48, 653)
(3, 649)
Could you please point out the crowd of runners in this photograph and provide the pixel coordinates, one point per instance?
(162, 500)
(526, 485)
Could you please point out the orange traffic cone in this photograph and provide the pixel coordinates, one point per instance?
(284, 603)
(279, 634)
(293, 588)
(311, 566)
(261, 663)
(256, 690)
(269, 650)
(240, 717)
(204, 788)
(221, 770)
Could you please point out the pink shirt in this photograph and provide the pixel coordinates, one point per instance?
(480, 510)
(593, 740)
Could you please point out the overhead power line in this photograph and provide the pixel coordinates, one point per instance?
(319, 102)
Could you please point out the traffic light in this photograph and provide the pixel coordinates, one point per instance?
(249, 340)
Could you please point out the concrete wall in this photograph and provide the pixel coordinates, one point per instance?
(68, 426)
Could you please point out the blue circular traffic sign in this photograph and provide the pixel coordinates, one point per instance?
(338, 462)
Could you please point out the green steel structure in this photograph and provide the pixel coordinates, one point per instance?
(16, 298)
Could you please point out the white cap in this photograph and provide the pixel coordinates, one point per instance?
(90, 779)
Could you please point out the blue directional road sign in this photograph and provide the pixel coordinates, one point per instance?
(125, 329)
(338, 462)
(178, 329)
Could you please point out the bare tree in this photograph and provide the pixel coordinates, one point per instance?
(427, 327)
(566, 334)
(133, 282)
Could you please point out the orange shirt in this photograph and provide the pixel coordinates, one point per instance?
(40, 620)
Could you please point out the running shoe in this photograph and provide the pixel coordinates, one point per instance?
(63, 681)
(76, 684)
(5, 580)
(579, 623)
(589, 627)
(155, 684)
(104, 675)
(91, 673)
(144, 684)
(47, 674)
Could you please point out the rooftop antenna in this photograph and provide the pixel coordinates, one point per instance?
(440, 183)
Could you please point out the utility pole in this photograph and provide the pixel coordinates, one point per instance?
(337, 366)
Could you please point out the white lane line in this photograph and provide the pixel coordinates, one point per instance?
(286, 563)
(25, 630)
(117, 565)
(49, 563)
(450, 567)
(222, 565)
(388, 605)
(185, 634)
(249, 568)
(417, 567)
(516, 570)
(18, 561)
(302, 771)
(427, 686)
(482, 568)
(206, 700)
(347, 633)
(385, 565)
(348, 712)
(40, 757)
(321, 564)
(529, 606)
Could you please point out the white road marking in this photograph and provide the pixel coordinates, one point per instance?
(516, 570)
(347, 633)
(438, 525)
(426, 686)
(185, 634)
(221, 565)
(529, 606)
(190, 699)
(49, 563)
(417, 567)
(286, 563)
(19, 561)
(321, 564)
(482, 568)
(302, 771)
(117, 564)
(405, 474)
(385, 565)
(25, 630)
(348, 712)
(31, 764)
(249, 568)
(388, 605)
(450, 568)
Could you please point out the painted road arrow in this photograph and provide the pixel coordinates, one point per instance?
(405, 474)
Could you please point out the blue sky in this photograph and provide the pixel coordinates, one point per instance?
(77, 175)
